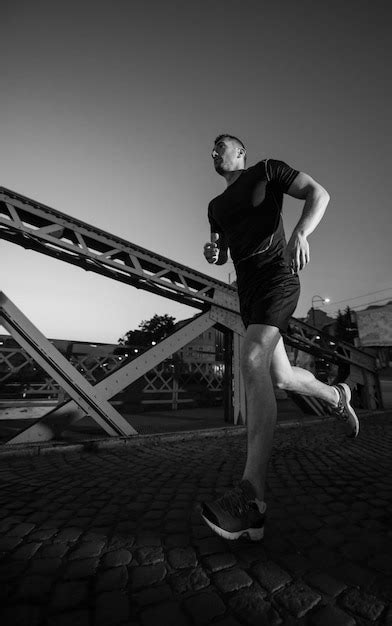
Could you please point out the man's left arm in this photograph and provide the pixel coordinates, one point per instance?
(304, 187)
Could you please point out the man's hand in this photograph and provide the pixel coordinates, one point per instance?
(297, 252)
(211, 249)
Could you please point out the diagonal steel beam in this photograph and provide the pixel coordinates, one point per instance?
(90, 400)
(64, 416)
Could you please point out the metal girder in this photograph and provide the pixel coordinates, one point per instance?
(36, 226)
(64, 416)
(90, 400)
(312, 340)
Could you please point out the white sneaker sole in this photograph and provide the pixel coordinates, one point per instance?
(254, 534)
(353, 424)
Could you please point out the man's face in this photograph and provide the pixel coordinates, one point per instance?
(226, 155)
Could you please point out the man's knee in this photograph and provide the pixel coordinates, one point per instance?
(258, 348)
(255, 360)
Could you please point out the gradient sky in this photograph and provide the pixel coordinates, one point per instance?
(109, 110)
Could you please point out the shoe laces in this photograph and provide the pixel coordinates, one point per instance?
(235, 502)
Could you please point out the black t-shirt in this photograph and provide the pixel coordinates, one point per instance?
(247, 215)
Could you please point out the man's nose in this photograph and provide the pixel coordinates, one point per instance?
(214, 153)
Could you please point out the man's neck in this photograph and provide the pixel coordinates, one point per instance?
(231, 177)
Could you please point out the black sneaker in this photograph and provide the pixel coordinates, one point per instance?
(345, 411)
(236, 513)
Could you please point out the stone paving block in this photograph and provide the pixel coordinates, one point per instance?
(68, 595)
(68, 535)
(362, 604)
(296, 563)
(200, 531)
(117, 543)
(248, 552)
(251, 607)
(231, 580)
(153, 595)
(111, 608)
(81, 568)
(21, 530)
(189, 580)
(309, 522)
(42, 534)
(331, 616)
(217, 562)
(168, 613)
(270, 575)
(146, 575)
(177, 541)
(353, 574)
(113, 578)
(177, 526)
(74, 618)
(5, 525)
(204, 607)
(144, 539)
(9, 543)
(210, 545)
(180, 558)
(116, 558)
(51, 551)
(26, 551)
(321, 555)
(298, 598)
(150, 555)
(325, 583)
(87, 550)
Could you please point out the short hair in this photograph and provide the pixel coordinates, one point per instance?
(233, 138)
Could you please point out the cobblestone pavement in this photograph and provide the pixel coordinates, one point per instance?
(114, 537)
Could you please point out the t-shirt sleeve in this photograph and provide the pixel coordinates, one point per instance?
(281, 174)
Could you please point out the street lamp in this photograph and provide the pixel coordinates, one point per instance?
(323, 300)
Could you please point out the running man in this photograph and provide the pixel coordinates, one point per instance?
(246, 218)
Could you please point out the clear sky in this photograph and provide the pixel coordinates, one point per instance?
(109, 111)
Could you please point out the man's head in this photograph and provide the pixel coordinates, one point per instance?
(229, 154)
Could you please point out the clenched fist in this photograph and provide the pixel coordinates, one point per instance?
(211, 249)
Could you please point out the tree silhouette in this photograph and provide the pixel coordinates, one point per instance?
(148, 331)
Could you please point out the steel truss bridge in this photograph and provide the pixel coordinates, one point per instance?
(34, 226)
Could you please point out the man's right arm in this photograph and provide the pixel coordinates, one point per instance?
(215, 251)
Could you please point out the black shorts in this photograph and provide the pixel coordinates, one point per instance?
(268, 292)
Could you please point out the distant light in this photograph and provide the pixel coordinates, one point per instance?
(93, 345)
(332, 343)
(120, 358)
(153, 343)
(126, 354)
(327, 300)
(136, 350)
(317, 337)
(104, 364)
